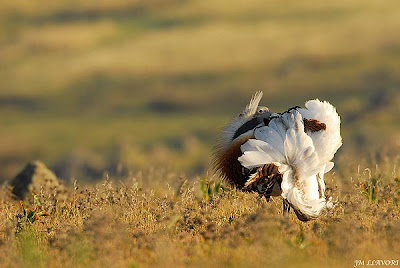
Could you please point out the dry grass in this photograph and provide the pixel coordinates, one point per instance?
(159, 220)
(133, 81)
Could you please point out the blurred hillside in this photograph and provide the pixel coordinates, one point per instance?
(122, 86)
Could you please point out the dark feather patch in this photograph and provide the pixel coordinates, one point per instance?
(249, 125)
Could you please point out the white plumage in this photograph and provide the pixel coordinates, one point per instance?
(302, 156)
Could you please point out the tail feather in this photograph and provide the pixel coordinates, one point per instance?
(285, 144)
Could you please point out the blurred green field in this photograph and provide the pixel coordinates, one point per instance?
(122, 86)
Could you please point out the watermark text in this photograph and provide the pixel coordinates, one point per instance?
(358, 263)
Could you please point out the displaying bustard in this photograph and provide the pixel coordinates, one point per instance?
(282, 154)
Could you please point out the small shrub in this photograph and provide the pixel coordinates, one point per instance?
(370, 189)
(30, 215)
(208, 188)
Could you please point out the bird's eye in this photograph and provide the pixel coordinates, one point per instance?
(260, 111)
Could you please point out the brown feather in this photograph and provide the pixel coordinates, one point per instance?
(227, 164)
(264, 181)
(313, 125)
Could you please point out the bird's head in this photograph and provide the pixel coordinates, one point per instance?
(244, 124)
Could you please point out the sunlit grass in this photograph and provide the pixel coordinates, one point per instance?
(157, 219)
(134, 81)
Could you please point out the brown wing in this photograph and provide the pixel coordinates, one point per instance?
(266, 181)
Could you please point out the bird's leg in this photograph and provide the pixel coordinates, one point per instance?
(286, 208)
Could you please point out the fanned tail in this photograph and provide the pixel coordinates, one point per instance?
(285, 144)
